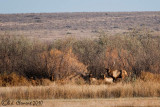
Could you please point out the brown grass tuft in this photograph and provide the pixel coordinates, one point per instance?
(13, 80)
(148, 76)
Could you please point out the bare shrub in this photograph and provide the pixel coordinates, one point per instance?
(134, 52)
(36, 60)
(148, 76)
(89, 52)
(13, 80)
(61, 64)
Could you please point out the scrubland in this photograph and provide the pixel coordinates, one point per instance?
(50, 61)
(82, 24)
(35, 69)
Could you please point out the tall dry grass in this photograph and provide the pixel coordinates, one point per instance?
(136, 89)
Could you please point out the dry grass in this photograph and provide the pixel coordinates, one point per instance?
(113, 102)
(54, 25)
(148, 76)
(137, 89)
(118, 102)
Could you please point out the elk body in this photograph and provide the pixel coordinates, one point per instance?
(109, 77)
(108, 80)
(117, 74)
(92, 79)
(124, 74)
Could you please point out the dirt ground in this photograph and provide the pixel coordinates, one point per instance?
(117, 102)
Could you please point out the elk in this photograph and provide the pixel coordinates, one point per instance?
(108, 80)
(92, 79)
(123, 74)
(114, 74)
(117, 74)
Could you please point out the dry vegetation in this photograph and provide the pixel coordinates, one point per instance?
(57, 71)
(57, 25)
(112, 102)
(119, 90)
(122, 102)
(26, 62)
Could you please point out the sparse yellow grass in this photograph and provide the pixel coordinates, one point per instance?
(112, 102)
(115, 102)
(119, 90)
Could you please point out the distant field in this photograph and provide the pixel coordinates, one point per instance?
(117, 102)
(59, 25)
